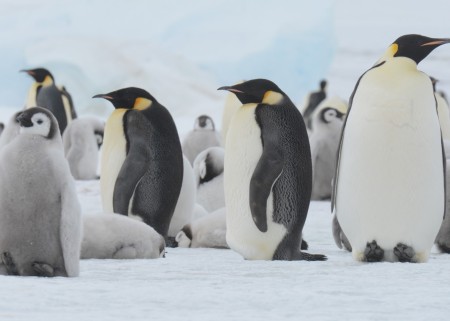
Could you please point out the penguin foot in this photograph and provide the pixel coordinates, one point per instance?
(373, 253)
(171, 242)
(43, 269)
(312, 257)
(404, 253)
(443, 248)
(304, 245)
(10, 266)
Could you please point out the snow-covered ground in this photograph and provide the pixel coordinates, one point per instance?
(182, 51)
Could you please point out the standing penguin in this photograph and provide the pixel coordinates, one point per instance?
(267, 175)
(443, 111)
(312, 102)
(389, 192)
(82, 140)
(203, 135)
(324, 139)
(40, 217)
(44, 93)
(142, 163)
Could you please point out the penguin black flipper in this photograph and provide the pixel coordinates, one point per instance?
(267, 171)
(136, 163)
(50, 98)
(338, 158)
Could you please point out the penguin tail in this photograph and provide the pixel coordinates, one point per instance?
(312, 257)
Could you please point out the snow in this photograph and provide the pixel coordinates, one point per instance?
(181, 51)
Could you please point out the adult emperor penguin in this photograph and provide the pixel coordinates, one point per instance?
(203, 135)
(443, 237)
(267, 175)
(40, 217)
(312, 102)
(324, 139)
(46, 94)
(389, 192)
(141, 163)
(82, 140)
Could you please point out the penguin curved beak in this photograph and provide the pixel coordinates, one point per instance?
(231, 89)
(436, 42)
(103, 96)
(30, 72)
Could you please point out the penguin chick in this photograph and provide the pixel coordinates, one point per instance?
(207, 231)
(324, 140)
(40, 217)
(114, 236)
(11, 130)
(208, 171)
(82, 140)
(203, 135)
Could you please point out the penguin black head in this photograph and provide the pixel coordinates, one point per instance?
(328, 114)
(39, 74)
(38, 121)
(257, 91)
(129, 98)
(415, 47)
(204, 122)
(323, 84)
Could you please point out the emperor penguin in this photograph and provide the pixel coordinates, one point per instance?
(40, 216)
(312, 102)
(268, 175)
(82, 140)
(207, 231)
(208, 172)
(141, 162)
(389, 191)
(44, 93)
(324, 139)
(2, 128)
(203, 135)
(115, 236)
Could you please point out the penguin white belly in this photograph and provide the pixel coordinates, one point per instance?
(113, 156)
(391, 183)
(243, 150)
(31, 97)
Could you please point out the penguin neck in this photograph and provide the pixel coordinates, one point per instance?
(48, 81)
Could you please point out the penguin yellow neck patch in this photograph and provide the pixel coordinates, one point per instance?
(47, 81)
(142, 103)
(272, 98)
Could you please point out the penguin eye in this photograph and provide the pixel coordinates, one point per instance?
(40, 121)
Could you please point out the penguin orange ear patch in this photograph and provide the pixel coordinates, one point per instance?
(142, 103)
(272, 98)
(393, 49)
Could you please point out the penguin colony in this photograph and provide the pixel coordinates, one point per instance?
(251, 192)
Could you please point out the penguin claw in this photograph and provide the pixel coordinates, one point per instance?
(8, 261)
(373, 253)
(43, 269)
(404, 253)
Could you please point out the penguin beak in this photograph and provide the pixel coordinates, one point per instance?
(103, 96)
(436, 42)
(30, 72)
(24, 121)
(231, 89)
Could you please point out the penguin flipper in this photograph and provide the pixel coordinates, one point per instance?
(340, 238)
(267, 171)
(135, 165)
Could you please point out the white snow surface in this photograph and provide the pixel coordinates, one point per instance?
(182, 51)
